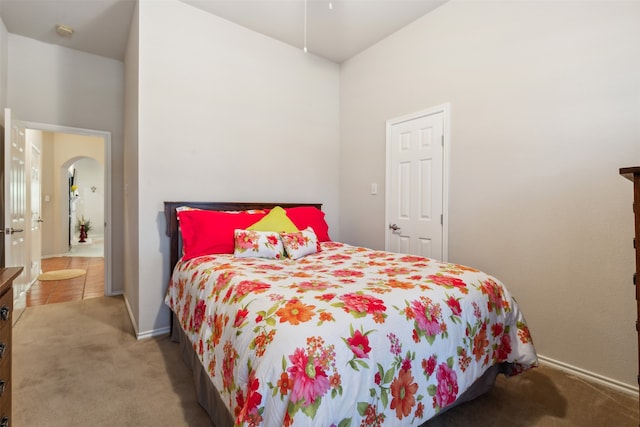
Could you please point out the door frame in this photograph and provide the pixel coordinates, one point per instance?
(445, 109)
(35, 244)
(106, 136)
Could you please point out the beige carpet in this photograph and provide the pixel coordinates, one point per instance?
(62, 274)
(78, 364)
(544, 397)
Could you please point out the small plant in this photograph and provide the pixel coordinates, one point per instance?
(82, 221)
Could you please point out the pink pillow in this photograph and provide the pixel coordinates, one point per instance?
(211, 232)
(310, 216)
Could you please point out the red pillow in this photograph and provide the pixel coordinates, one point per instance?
(309, 216)
(211, 232)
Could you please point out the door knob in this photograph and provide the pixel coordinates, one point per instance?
(40, 220)
(13, 230)
(394, 227)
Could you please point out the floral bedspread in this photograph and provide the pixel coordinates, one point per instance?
(345, 337)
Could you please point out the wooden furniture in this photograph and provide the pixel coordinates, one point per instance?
(633, 174)
(6, 307)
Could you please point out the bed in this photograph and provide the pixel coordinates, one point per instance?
(285, 327)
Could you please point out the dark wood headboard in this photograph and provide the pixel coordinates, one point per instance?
(172, 220)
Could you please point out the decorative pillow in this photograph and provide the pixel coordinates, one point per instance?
(258, 244)
(276, 220)
(310, 216)
(299, 244)
(207, 232)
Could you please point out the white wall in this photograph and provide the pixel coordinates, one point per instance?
(545, 110)
(59, 86)
(225, 114)
(4, 36)
(131, 246)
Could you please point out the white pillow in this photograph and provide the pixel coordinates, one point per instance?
(300, 244)
(258, 244)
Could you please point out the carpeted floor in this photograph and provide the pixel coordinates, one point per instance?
(544, 397)
(78, 364)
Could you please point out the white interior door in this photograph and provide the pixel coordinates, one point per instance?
(416, 185)
(35, 162)
(15, 211)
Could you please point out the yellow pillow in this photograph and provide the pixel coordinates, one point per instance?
(276, 220)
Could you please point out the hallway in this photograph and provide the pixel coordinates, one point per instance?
(90, 285)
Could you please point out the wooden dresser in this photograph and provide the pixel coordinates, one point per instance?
(633, 174)
(6, 308)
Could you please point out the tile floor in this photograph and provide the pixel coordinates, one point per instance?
(91, 285)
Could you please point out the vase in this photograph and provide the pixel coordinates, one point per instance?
(83, 234)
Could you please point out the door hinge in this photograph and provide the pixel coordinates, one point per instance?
(441, 219)
(442, 140)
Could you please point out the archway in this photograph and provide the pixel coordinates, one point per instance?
(85, 200)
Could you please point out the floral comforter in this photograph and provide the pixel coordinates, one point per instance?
(345, 337)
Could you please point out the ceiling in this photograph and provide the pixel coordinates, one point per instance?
(101, 27)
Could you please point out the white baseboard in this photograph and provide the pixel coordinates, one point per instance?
(131, 317)
(153, 333)
(591, 376)
(147, 334)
